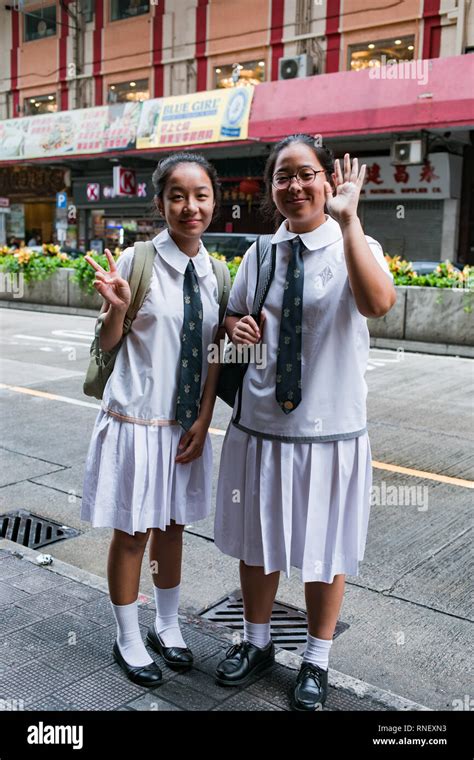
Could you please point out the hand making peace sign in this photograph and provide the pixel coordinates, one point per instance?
(113, 288)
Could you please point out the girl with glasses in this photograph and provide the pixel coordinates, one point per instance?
(295, 472)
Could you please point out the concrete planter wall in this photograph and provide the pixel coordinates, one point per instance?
(431, 315)
(60, 289)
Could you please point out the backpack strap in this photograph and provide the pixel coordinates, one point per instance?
(140, 279)
(221, 271)
(266, 259)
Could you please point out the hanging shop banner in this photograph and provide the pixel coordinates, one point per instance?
(203, 117)
(212, 116)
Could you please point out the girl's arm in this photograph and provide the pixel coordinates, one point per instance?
(373, 291)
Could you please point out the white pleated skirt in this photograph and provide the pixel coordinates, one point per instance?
(304, 505)
(132, 483)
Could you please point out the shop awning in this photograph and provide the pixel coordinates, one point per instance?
(434, 94)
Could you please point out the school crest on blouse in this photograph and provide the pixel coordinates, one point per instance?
(322, 279)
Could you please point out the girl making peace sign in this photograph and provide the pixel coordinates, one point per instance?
(295, 473)
(149, 464)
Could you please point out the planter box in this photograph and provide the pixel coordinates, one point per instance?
(80, 299)
(438, 315)
(392, 325)
(426, 315)
(52, 290)
(58, 290)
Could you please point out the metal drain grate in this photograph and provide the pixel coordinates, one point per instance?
(288, 624)
(32, 530)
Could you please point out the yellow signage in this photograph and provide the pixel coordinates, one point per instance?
(211, 116)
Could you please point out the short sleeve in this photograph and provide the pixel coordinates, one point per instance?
(377, 250)
(124, 263)
(238, 295)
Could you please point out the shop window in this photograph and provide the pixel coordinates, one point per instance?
(128, 8)
(88, 9)
(124, 92)
(40, 104)
(40, 23)
(381, 52)
(238, 74)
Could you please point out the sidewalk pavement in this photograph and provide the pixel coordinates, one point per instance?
(57, 633)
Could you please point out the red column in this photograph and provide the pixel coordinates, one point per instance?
(63, 33)
(201, 37)
(333, 37)
(432, 29)
(276, 35)
(97, 52)
(157, 49)
(14, 63)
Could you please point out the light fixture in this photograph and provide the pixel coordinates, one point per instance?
(37, 105)
(218, 71)
(411, 47)
(398, 42)
(261, 63)
(112, 87)
(32, 100)
(133, 84)
(50, 97)
(371, 46)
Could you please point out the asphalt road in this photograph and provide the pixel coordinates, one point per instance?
(409, 609)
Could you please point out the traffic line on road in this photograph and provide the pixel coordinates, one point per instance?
(216, 431)
(422, 474)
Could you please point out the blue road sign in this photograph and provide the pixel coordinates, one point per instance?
(61, 200)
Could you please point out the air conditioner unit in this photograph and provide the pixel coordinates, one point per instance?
(408, 152)
(296, 67)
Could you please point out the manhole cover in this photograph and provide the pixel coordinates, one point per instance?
(32, 530)
(288, 624)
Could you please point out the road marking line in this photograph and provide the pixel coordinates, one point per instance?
(51, 340)
(216, 431)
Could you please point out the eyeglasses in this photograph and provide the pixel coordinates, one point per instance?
(304, 176)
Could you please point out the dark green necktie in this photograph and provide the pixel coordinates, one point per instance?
(189, 386)
(288, 371)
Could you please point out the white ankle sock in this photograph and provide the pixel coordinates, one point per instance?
(166, 622)
(317, 651)
(129, 637)
(257, 633)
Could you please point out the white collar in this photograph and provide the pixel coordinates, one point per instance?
(327, 233)
(173, 256)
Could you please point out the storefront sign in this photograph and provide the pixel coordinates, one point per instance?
(34, 181)
(124, 181)
(202, 117)
(93, 191)
(89, 194)
(438, 177)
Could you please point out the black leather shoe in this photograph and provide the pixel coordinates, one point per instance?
(146, 675)
(311, 689)
(177, 658)
(242, 661)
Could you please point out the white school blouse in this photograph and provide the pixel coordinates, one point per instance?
(335, 343)
(144, 383)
